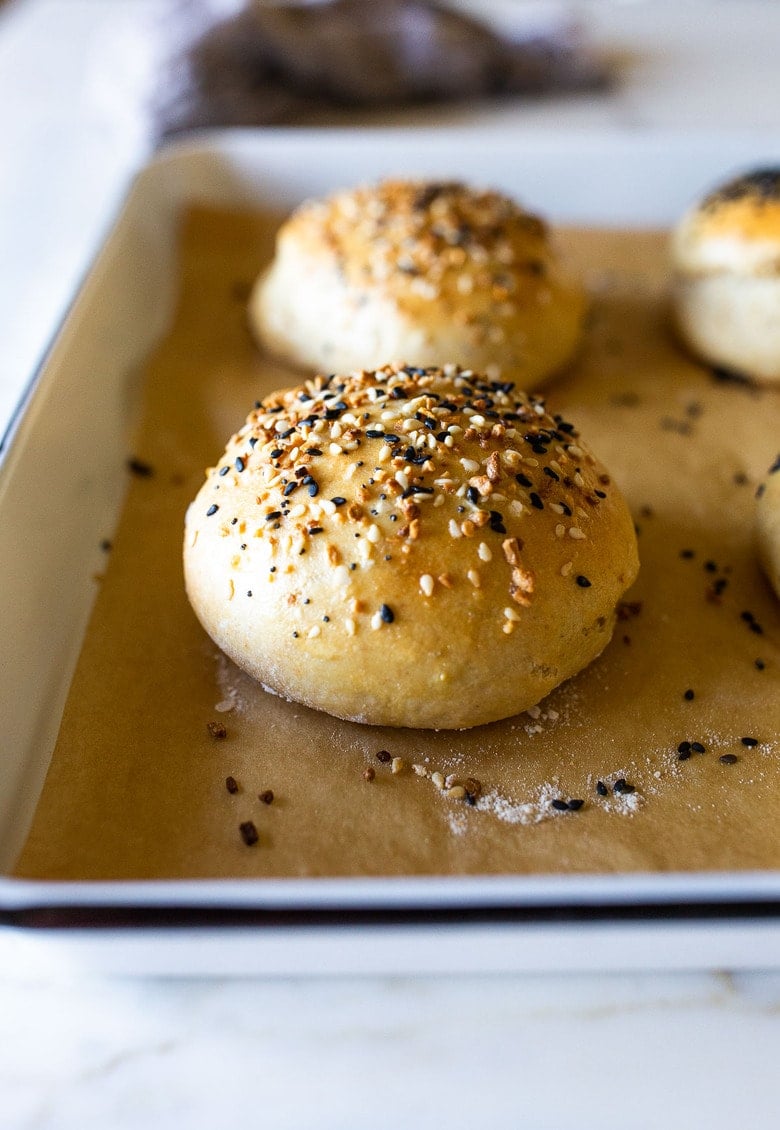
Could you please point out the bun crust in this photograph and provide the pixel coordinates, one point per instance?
(768, 525)
(419, 272)
(421, 548)
(726, 259)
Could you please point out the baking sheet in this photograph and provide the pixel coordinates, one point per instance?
(136, 787)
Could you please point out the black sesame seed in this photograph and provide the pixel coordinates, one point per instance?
(472, 494)
(749, 742)
(551, 474)
(277, 451)
(248, 832)
(384, 756)
(583, 582)
(231, 784)
(389, 437)
(684, 755)
(240, 464)
(728, 759)
(536, 500)
(523, 480)
(289, 489)
(561, 805)
(622, 786)
(600, 493)
(697, 747)
(575, 805)
(212, 509)
(710, 566)
(273, 515)
(338, 500)
(760, 665)
(689, 695)
(601, 788)
(224, 470)
(374, 433)
(687, 553)
(316, 529)
(313, 489)
(387, 614)
(139, 468)
(313, 451)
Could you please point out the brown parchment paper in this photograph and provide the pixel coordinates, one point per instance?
(137, 787)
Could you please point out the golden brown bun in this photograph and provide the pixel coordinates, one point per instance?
(422, 272)
(768, 524)
(726, 259)
(408, 548)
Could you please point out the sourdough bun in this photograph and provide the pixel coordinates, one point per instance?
(421, 272)
(726, 261)
(419, 548)
(768, 524)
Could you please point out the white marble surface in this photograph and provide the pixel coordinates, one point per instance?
(548, 1052)
(542, 1053)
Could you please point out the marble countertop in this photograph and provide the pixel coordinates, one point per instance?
(547, 1052)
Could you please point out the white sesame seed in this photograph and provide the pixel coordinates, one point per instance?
(484, 552)
(567, 568)
(477, 419)
(314, 632)
(454, 529)
(426, 584)
(508, 627)
(327, 507)
(474, 577)
(510, 614)
(576, 533)
(402, 479)
(556, 507)
(469, 466)
(377, 621)
(579, 479)
(373, 533)
(341, 575)
(438, 779)
(560, 530)
(516, 506)
(335, 430)
(298, 511)
(397, 765)
(349, 625)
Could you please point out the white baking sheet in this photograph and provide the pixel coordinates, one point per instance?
(83, 401)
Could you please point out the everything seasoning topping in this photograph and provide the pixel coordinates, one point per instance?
(375, 455)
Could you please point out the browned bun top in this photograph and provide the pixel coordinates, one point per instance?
(734, 228)
(445, 235)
